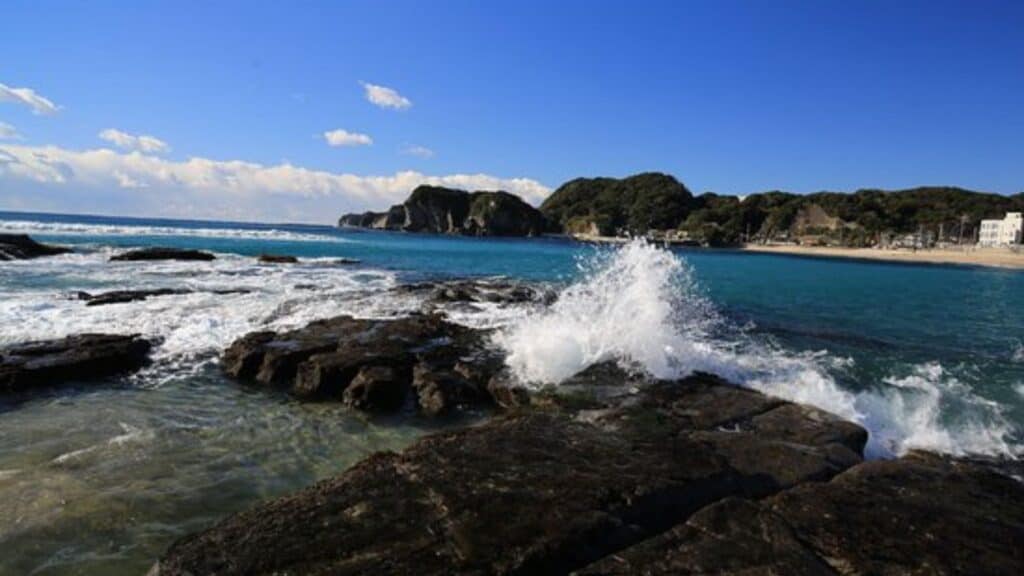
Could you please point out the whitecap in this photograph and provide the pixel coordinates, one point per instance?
(136, 230)
(641, 304)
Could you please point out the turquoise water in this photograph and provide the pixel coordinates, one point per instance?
(98, 478)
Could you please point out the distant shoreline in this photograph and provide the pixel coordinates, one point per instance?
(967, 256)
(971, 255)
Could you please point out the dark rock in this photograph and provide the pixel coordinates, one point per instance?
(757, 542)
(344, 358)
(492, 291)
(122, 296)
(779, 443)
(277, 259)
(440, 390)
(507, 391)
(532, 492)
(162, 254)
(21, 247)
(921, 514)
(80, 357)
(378, 388)
(347, 261)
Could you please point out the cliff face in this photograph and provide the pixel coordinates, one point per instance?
(438, 210)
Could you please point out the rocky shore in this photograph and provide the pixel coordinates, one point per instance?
(612, 472)
(75, 358)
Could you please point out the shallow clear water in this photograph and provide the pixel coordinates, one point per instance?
(98, 478)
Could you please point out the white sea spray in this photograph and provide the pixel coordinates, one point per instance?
(641, 304)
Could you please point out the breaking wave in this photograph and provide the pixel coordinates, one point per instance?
(80, 229)
(640, 304)
(228, 298)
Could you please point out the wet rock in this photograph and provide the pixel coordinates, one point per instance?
(536, 491)
(347, 261)
(484, 291)
(779, 443)
(758, 542)
(440, 390)
(21, 247)
(277, 259)
(531, 494)
(122, 296)
(158, 253)
(921, 514)
(367, 364)
(378, 388)
(85, 356)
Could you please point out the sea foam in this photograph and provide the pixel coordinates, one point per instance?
(640, 304)
(81, 229)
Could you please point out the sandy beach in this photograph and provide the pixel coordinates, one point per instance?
(997, 257)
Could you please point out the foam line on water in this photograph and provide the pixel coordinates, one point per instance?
(188, 326)
(641, 304)
(79, 229)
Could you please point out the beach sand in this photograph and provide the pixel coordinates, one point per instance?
(998, 257)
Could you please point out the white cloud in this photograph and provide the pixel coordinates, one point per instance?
(384, 97)
(341, 137)
(8, 132)
(28, 97)
(418, 151)
(141, 143)
(103, 180)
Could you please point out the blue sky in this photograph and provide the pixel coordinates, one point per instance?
(734, 97)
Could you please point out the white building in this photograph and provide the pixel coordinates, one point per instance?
(1002, 232)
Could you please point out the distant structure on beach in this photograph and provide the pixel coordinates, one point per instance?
(1005, 232)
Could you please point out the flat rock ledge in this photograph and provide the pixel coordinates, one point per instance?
(23, 247)
(419, 362)
(688, 477)
(75, 358)
(158, 253)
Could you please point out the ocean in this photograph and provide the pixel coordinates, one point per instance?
(98, 478)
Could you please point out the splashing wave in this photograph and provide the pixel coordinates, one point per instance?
(641, 304)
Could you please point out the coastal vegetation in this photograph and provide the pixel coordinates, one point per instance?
(659, 205)
(654, 202)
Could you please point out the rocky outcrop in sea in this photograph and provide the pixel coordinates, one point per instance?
(22, 247)
(161, 253)
(437, 210)
(75, 358)
(611, 472)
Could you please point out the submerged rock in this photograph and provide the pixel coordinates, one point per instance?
(537, 491)
(366, 364)
(277, 259)
(162, 254)
(22, 247)
(85, 356)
